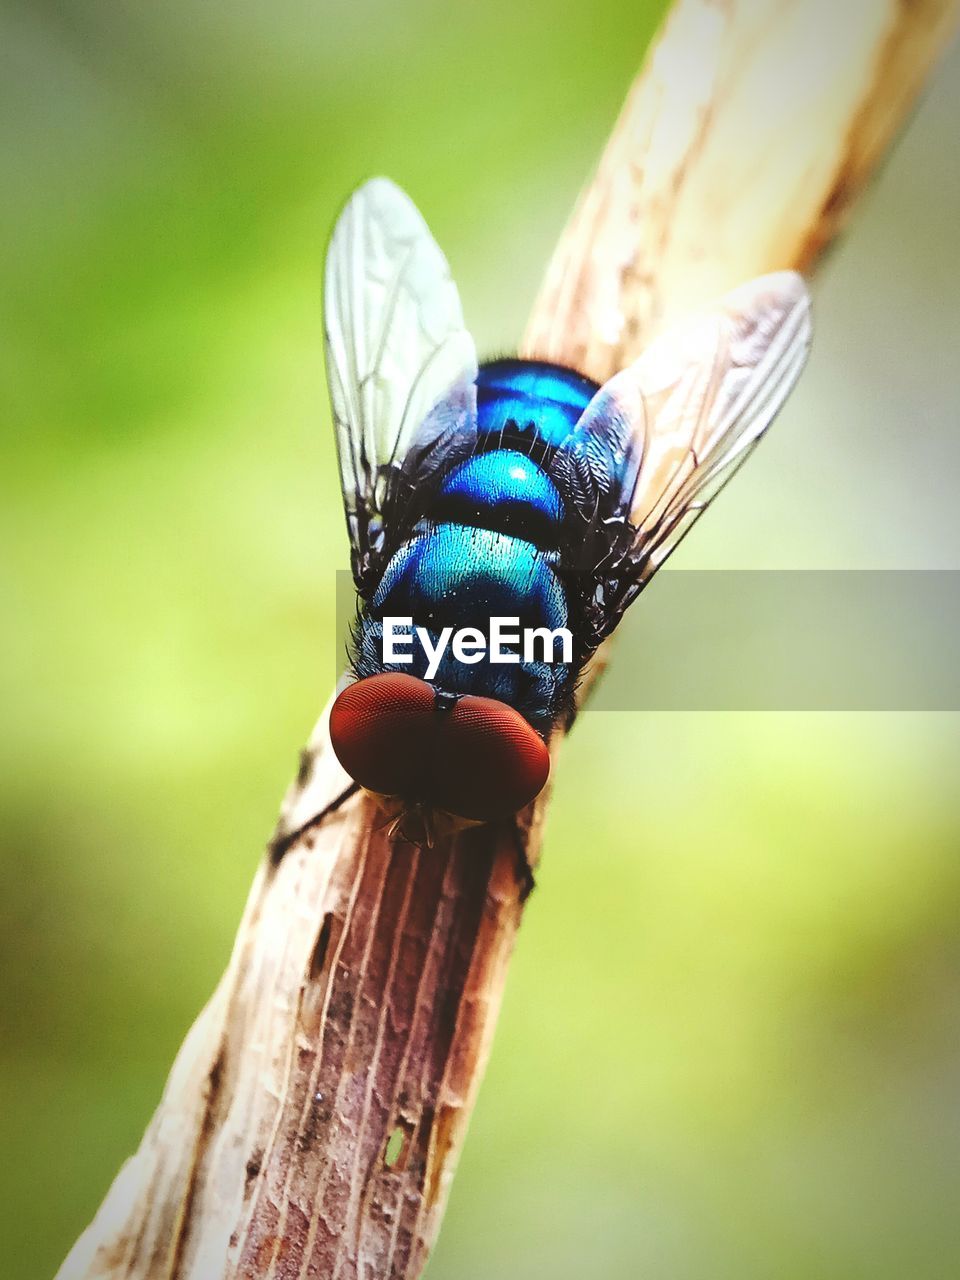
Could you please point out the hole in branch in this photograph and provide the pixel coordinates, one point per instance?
(394, 1148)
(397, 1151)
(319, 956)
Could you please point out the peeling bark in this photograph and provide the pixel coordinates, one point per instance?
(313, 1118)
(741, 148)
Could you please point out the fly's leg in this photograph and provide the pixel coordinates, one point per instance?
(522, 868)
(280, 844)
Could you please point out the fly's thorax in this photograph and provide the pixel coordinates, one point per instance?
(537, 688)
(463, 575)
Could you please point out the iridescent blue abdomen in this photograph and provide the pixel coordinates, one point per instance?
(487, 543)
(502, 489)
(529, 400)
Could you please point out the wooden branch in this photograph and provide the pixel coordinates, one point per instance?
(741, 149)
(313, 1118)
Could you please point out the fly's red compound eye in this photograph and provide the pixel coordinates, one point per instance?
(381, 730)
(479, 760)
(489, 762)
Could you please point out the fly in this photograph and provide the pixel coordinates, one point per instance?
(513, 490)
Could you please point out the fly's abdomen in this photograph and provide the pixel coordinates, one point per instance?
(502, 490)
(530, 402)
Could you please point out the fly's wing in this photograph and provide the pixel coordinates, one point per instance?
(401, 367)
(660, 440)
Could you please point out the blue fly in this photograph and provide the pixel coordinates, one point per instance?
(514, 490)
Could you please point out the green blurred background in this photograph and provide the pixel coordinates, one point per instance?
(730, 1042)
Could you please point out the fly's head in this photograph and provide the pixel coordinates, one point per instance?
(443, 761)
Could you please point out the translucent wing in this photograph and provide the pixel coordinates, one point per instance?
(400, 365)
(659, 440)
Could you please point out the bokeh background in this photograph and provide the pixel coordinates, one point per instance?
(730, 1041)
